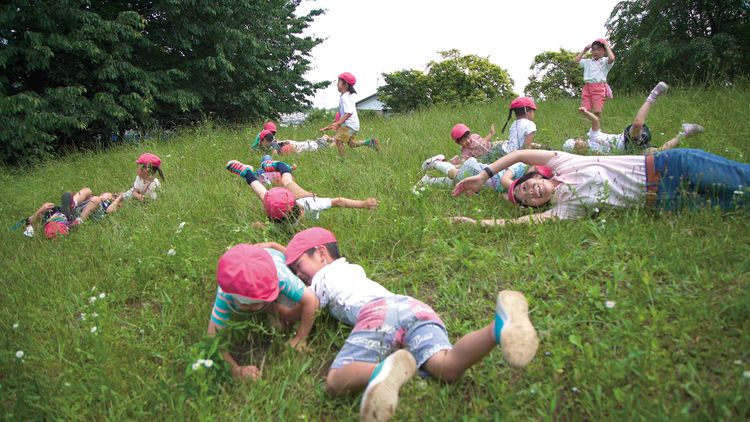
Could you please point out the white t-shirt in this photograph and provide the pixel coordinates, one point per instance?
(517, 134)
(589, 182)
(604, 143)
(344, 288)
(147, 189)
(347, 105)
(314, 205)
(595, 70)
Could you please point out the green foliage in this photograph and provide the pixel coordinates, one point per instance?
(556, 75)
(455, 79)
(673, 345)
(687, 42)
(75, 73)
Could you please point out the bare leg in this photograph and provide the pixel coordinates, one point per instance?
(115, 205)
(350, 378)
(82, 195)
(287, 181)
(449, 365)
(340, 147)
(93, 205)
(639, 120)
(259, 189)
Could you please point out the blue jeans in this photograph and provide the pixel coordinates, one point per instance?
(691, 177)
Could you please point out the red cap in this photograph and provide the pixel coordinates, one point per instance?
(348, 78)
(270, 126)
(543, 170)
(601, 40)
(458, 131)
(55, 228)
(151, 159)
(306, 239)
(278, 202)
(265, 132)
(248, 271)
(521, 102)
(288, 149)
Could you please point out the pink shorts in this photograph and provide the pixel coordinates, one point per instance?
(593, 96)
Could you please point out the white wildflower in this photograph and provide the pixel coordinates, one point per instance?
(196, 365)
(93, 330)
(94, 315)
(171, 252)
(93, 289)
(208, 363)
(102, 295)
(92, 299)
(574, 390)
(19, 354)
(738, 362)
(745, 375)
(180, 227)
(610, 304)
(15, 326)
(83, 316)
(67, 384)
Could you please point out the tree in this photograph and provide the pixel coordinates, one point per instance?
(556, 75)
(682, 41)
(75, 72)
(459, 79)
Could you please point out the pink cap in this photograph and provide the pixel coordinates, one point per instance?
(458, 131)
(288, 149)
(521, 102)
(544, 171)
(248, 271)
(348, 78)
(265, 132)
(306, 239)
(601, 40)
(270, 126)
(55, 228)
(151, 159)
(278, 202)
(511, 195)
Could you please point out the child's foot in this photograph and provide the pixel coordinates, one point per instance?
(513, 330)
(420, 185)
(374, 143)
(75, 223)
(430, 162)
(238, 168)
(66, 204)
(659, 89)
(690, 129)
(381, 396)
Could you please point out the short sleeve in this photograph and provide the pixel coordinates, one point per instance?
(290, 285)
(222, 311)
(348, 104)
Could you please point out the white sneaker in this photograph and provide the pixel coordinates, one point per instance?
(517, 335)
(689, 129)
(428, 163)
(660, 88)
(419, 187)
(381, 395)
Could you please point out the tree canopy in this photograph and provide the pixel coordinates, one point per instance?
(76, 72)
(456, 78)
(556, 75)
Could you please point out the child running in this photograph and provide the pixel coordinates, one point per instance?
(254, 278)
(474, 145)
(348, 123)
(394, 335)
(595, 70)
(636, 136)
(289, 203)
(580, 185)
(146, 183)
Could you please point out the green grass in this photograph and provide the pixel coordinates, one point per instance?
(674, 346)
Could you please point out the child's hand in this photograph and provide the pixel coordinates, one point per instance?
(582, 109)
(300, 345)
(259, 225)
(468, 186)
(246, 372)
(47, 206)
(372, 203)
(587, 48)
(462, 219)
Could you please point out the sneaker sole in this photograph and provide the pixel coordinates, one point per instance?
(518, 338)
(381, 396)
(427, 164)
(65, 203)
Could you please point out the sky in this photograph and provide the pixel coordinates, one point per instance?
(371, 37)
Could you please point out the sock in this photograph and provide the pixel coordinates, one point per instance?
(443, 166)
(442, 181)
(250, 177)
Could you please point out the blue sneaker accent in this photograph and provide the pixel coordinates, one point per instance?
(377, 370)
(499, 323)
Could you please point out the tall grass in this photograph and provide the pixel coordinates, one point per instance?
(672, 344)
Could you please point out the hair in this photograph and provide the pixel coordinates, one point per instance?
(520, 113)
(523, 179)
(349, 87)
(464, 136)
(291, 217)
(332, 248)
(597, 43)
(269, 137)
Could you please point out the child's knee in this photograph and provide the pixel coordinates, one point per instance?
(83, 194)
(335, 383)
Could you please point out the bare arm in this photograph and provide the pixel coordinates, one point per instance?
(369, 203)
(506, 180)
(273, 245)
(528, 140)
(310, 306)
(610, 54)
(595, 125)
(473, 184)
(34, 219)
(526, 219)
(336, 125)
(580, 55)
(240, 372)
(490, 134)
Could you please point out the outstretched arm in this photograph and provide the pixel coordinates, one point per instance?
(534, 218)
(490, 134)
(580, 55)
(337, 124)
(473, 184)
(369, 203)
(595, 125)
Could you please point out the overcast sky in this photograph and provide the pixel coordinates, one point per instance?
(370, 37)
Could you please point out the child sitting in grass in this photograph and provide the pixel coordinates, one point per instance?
(395, 335)
(254, 278)
(146, 183)
(636, 136)
(474, 145)
(289, 203)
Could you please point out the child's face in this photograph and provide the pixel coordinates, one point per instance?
(597, 52)
(530, 112)
(307, 266)
(252, 307)
(341, 86)
(144, 172)
(581, 145)
(534, 192)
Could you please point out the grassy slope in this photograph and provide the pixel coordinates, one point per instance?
(675, 345)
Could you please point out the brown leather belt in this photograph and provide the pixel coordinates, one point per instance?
(652, 181)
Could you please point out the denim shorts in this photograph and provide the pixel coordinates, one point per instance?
(386, 325)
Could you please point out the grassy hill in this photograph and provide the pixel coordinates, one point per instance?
(675, 344)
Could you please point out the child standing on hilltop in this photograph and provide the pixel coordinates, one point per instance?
(348, 123)
(595, 71)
